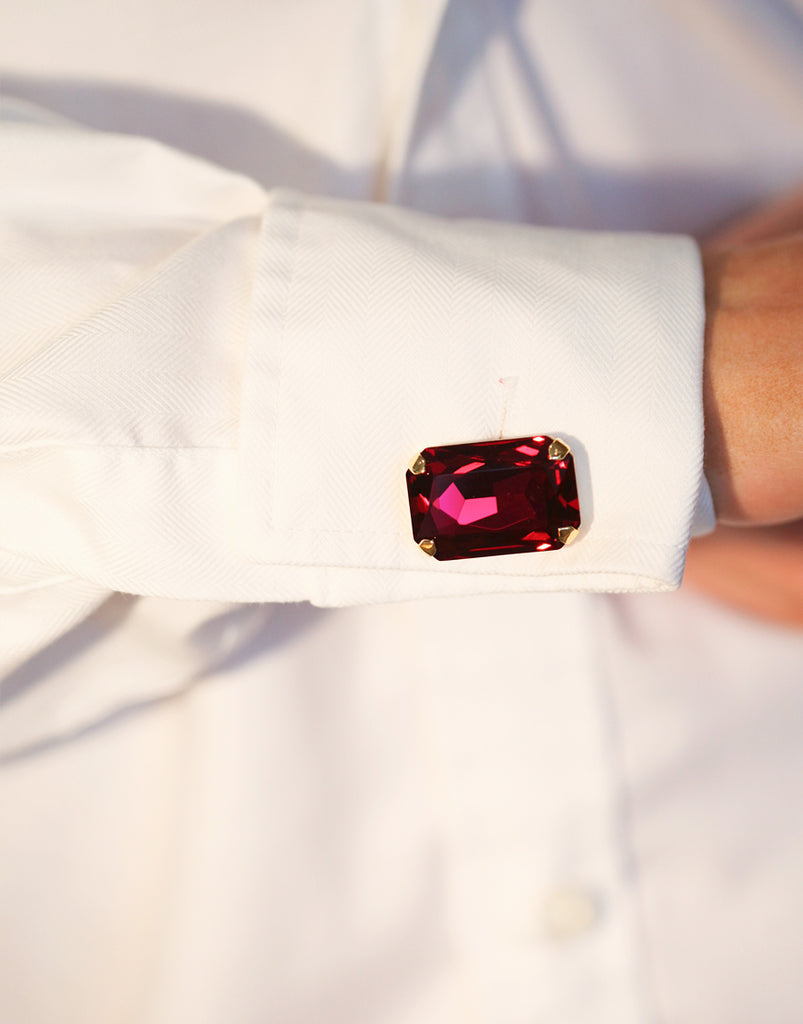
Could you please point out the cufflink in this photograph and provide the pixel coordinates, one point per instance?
(493, 497)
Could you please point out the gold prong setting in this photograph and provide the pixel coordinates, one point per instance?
(567, 534)
(558, 450)
(418, 465)
(427, 546)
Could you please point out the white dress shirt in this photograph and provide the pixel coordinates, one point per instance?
(220, 351)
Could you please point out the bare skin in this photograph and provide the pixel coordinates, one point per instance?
(753, 396)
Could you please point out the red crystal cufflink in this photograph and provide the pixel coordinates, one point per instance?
(493, 497)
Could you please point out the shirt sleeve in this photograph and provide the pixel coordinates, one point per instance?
(210, 390)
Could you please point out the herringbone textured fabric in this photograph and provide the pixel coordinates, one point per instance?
(209, 391)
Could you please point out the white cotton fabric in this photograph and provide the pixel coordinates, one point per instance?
(222, 391)
(221, 803)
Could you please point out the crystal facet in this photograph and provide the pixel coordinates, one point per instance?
(493, 498)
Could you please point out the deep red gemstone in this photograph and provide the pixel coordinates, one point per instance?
(494, 497)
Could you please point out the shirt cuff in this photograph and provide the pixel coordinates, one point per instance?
(376, 331)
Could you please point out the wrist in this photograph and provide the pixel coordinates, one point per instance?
(752, 381)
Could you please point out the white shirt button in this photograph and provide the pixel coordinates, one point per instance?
(569, 911)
